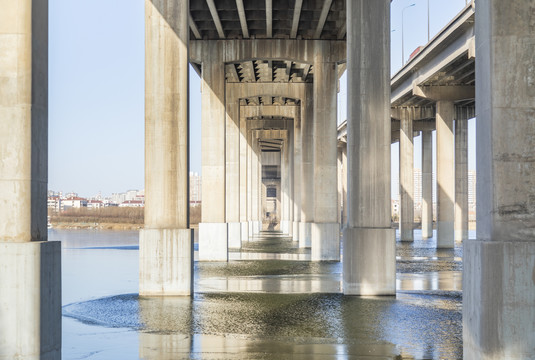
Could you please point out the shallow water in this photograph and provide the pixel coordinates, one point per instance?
(270, 309)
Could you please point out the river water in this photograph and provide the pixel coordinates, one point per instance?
(268, 302)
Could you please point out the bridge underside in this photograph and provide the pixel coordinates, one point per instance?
(269, 82)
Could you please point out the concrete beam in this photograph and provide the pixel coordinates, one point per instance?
(243, 19)
(449, 93)
(215, 17)
(269, 18)
(323, 17)
(295, 19)
(193, 27)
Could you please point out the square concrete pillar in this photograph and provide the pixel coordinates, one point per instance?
(427, 184)
(461, 179)
(499, 266)
(406, 176)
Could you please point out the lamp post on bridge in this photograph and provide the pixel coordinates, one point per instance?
(402, 39)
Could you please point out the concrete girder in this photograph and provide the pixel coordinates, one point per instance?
(449, 93)
(296, 16)
(215, 17)
(323, 17)
(243, 19)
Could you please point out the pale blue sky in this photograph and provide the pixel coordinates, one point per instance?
(96, 89)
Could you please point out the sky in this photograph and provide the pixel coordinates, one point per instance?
(96, 90)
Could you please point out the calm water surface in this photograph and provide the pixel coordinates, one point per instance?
(279, 308)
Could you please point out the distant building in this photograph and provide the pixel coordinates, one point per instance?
(73, 202)
(194, 188)
(94, 204)
(132, 203)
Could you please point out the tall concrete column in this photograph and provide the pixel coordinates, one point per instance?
(461, 179)
(297, 174)
(256, 180)
(369, 242)
(307, 168)
(30, 266)
(406, 176)
(232, 169)
(213, 230)
(499, 275)
(325, 240)
(340, 176)
(427, 184)
(244, 169)
(344, 186)
(250, 181)
(285, 187)
(290, 179)
(445, 169)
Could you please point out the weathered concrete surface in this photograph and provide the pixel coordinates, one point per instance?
(23, 120)
(232, 169)
(30, 300)
(165, 250)
(369, 242)
(445, 174)
(307, 167)
(427, 184)
(461, 179)
(214, 237)
(244, 232)
(325, 244)
(165, 262)
(234, 235)
(499, 267)
(406, 176)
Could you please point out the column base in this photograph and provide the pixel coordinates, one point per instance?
(325, 241)
(406, 233)
(498, 299)
(165, 262)
(213, 242)
(305, 233)
(30, 300)
(295, 232)
(427, 231)
(461, 235)
(244, 232)
(285, 227)
(257, 227)
(234, 235)
(445, 235)
(369, 261)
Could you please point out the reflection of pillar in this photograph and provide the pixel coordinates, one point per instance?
(165, 245)
(445, 171)
(498, 267)
(325, 239)
(427, 184)
(213, 241)
(232, 170)
(307, 167)
(369, 241)
(297, 174)
(30, 267)
(406, 176)
(461, 179)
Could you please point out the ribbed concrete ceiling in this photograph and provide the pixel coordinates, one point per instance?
(260, 19)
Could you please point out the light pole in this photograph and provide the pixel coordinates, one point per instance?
(402, 39)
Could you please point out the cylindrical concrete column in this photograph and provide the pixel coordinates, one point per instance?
(307, 167)
(498, 266)
(213, 239)
(30, 266)
(461, 179)
(166, 243)
(445, 169)
(325, 240)
(369, 242)
(297, 174)
(232, 169)
(406, 176)
(427, 184)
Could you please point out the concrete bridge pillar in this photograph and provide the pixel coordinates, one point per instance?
(213, 230)
(427, 184)
(166, 242)
(307, 168)
(325, 239)
(445, 170)
(499, 266)
(369, 261)
(256, 184)
(461, 179)
(232, 169)
(406, 176)
(244, 169)
(297, 175)
(285, 187)
(30, 266)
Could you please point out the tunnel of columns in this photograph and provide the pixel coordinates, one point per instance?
(274, 159)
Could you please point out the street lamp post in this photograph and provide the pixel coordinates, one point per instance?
(402, 39)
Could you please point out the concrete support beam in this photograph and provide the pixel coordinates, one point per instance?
(307, 168)
(445, 170)
(406, 177)
(326, 229)
(498, 275)
(427, 184)
(213, 230)
(451, 93)
(461, 179)
(166, 243)
(369, 242)
(296, 16)
(30, 267)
